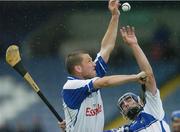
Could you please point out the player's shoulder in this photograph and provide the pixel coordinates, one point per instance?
(75, 84)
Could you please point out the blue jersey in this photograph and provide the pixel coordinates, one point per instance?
(82, 103)
(151, 119)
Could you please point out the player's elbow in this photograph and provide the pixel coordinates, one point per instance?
(107, 48)
(150, 75)
(151, 83)
(149, 72)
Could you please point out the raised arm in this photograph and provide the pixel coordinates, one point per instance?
(129, 37)
(109, 39)
(114, 80)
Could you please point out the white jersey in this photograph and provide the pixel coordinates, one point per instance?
(83, 104)
(151, 119)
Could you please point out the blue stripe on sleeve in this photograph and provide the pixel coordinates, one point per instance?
(101, 67)
(162, 127)
(91, 87)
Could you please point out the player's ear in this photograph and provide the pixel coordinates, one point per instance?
(78, 68)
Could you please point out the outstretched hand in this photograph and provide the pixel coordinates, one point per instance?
(114, 7)
(128, 35)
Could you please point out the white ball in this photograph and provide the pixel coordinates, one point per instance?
(126, 7)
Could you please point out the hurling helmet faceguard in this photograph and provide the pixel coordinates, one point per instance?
(132, 112)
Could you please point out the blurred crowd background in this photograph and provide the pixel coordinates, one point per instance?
(46, 31)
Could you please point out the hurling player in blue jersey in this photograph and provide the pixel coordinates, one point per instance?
(82, 102)
(175, 118)
(145, 116)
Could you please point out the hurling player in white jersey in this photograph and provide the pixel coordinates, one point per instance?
(148, 115)
(83, 106)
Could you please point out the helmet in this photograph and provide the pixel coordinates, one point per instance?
(175, 115)
(133, 111)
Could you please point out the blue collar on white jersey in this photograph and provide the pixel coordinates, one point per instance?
(72, 78)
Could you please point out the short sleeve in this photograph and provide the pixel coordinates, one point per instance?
(153, 105)
(75, 91)
(101, 66)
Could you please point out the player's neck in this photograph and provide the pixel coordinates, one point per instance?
(78, 76)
